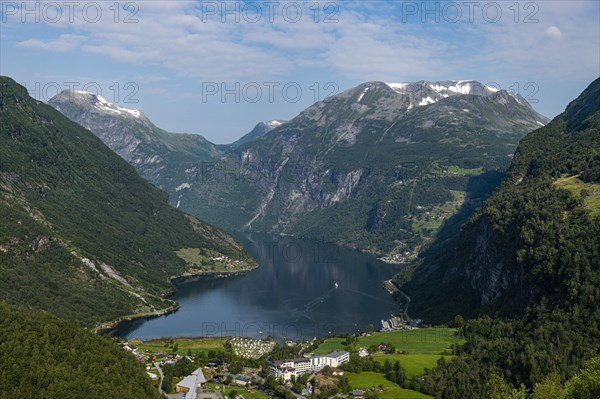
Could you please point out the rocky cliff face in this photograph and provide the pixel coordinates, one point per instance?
(378, 167)
(159, 156)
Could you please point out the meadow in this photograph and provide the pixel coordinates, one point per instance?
(195, 345)
(367, 380)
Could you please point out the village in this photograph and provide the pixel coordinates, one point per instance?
(247, 368)
(219, 379)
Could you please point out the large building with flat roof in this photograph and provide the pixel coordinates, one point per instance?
(285, 369)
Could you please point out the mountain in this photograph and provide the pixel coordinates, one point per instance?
(526, 265)
(259, 131)
(157, 155)
(378, 167)
(42, 356)
(498, 261)
(81, 234)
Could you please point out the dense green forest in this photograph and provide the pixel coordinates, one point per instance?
(526, 266)
(42, 356)
(81, 234)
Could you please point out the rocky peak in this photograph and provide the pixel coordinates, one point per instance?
(94, 102)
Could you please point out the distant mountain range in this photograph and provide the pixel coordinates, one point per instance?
(378, 167)
(81, 234)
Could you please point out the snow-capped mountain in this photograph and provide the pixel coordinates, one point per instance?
(157, 154)
(421, 93)
(368, 167)
(102, 104)
(449, 88)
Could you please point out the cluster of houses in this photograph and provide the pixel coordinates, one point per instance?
(285, 369)
(398, 323)
(228, 262)
(251, 348)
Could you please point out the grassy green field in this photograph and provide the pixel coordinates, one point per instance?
(421, 349)
(246, 393)
(421, 341)
(413, 364)
(368, 380)
(194, 344)
(203, 259)
(575, 186)
(457, 170)
(330, 345)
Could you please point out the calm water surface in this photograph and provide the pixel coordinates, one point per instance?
(292, 294)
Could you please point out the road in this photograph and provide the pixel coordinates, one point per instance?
(162, 377)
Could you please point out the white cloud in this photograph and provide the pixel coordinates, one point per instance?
(63, 43)
(553, 32)
(361, 45)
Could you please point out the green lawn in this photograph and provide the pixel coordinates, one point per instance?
(368, 380)
(457, 170)
(575, 186)
(246, 393)
(421, 341)
(204, 260)
(195, 344)
(423, 347)
(330, 345)
(412, 364)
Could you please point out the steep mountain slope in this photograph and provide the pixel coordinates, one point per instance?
(81, 234)
(158, 156)
(42, 356)
(378, 167)
(532, 254)
(374, 167)
(509, 253)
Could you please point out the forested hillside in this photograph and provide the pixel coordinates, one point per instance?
(81, 234)
(529, 259)
(42, 356)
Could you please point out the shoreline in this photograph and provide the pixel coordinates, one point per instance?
(109, 327)
(193, 277)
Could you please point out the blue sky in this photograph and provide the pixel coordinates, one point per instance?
(176, 59)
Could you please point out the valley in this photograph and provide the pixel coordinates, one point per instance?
(471, 219)
(300, 200)
(408, 164)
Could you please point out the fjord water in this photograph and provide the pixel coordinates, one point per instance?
(301, 289)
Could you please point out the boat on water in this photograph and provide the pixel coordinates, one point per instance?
(336, 285)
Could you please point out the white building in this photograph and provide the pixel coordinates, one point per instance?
(191, 384)
(285, 369)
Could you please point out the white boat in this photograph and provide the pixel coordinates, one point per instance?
(336, 285)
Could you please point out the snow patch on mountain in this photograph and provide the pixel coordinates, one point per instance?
(424, 93)
(102, 104)
(362, 94)
(427, 100)
(183, 187)
(273, 124)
